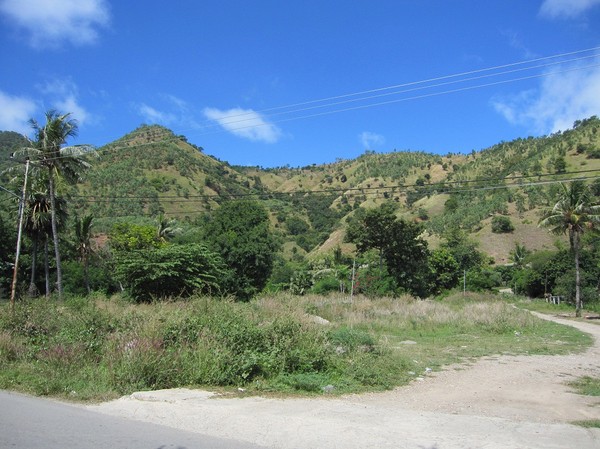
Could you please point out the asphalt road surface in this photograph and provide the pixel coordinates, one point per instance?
(34, 423)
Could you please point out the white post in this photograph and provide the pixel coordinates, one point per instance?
(352, 283)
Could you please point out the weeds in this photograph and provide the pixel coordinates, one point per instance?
(101, 348)
(586, 385)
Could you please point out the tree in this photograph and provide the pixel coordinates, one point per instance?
(560, 165)
(502, 225)
(83, 235)
(47, 152)
(398, 242)
(166, 229)
(38, 227)
(518, 255)
(573, 214)
(169, 271)
(6, 254)
(444, 270)
(371, 229)
(124, 237)
(239, 232)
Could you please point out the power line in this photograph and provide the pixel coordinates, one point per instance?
(238, 118)
(425, 81)
(416, 97)
(115, 147)
(302, 106)
(442, 187)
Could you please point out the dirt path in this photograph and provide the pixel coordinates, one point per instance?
(500, 402)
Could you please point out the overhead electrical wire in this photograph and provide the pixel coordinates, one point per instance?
(334, 100)
(379, 192)
(413, 89)
(435, 79)
(357, 190)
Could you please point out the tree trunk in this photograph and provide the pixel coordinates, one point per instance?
(47, 267)
(33, 290)
(86, 275)
(577, 275)
(59, 285)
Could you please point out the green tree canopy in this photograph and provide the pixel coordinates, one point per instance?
(239, 232)
(48, 153)
(399, 243)
(575, 212)
(170, 271)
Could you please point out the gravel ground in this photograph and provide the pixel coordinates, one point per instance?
(499, 402)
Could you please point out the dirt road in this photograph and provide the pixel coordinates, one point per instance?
(500, 402)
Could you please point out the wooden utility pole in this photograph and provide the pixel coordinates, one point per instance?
(13, 288)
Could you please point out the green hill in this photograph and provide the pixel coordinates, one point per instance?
(152, 170)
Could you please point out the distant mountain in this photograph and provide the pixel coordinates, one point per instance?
(152, 170)
(9, 142)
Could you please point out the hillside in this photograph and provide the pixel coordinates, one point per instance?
(9, 142)
(152, 170)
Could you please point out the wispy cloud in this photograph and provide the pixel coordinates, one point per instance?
(50, 23)
(245, 123)
(560, 100)
(516, 42)
(153, 115)
(64, 96)
(369, 139)
(15, 112)
(566, 9)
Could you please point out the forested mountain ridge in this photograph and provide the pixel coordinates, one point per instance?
(9, 142)
(151, 171)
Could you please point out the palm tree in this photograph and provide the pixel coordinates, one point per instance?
(166, 229)
(47, 152)
(83, 235)
(574, 213)
(38, 227)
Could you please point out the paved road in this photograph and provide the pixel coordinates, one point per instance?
(34, 423)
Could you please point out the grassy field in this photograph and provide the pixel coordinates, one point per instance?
(99, 349)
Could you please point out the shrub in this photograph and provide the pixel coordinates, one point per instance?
(171, 270)
(502, 225)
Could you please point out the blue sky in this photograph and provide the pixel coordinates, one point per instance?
(273, 82)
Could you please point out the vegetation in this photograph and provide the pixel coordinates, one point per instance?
(85, 349)
(574, 213)
(48, 153)
(180, 270)
(589, 386)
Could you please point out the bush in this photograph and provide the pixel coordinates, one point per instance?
(171, 270)
(326, 285)
(593, 154)
(502, 225)
(483, 279)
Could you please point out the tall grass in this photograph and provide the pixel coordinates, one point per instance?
(102, 348)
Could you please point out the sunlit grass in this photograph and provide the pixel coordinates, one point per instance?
(101, 348)
(586, 385)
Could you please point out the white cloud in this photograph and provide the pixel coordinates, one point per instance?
(560, 100)
(369, 139)
(15, 113)
(245, 123)
(566, 8)
(153, 115)
(49, 23)
(64, 96)
(70, 105)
